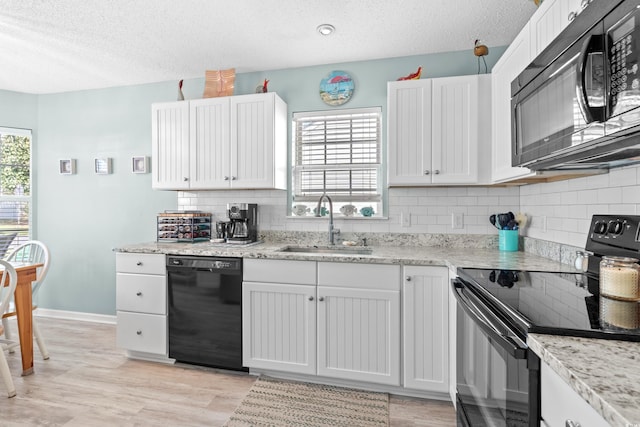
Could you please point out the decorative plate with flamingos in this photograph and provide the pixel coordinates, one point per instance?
(336, 88)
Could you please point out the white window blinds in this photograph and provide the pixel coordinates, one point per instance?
(337, 153)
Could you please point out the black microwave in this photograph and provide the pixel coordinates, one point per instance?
(577, 105)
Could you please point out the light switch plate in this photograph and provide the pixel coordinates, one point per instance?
(457, 220)
(405, 219)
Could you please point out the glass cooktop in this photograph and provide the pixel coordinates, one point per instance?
(555, 303)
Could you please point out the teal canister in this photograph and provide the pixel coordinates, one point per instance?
(508, 240)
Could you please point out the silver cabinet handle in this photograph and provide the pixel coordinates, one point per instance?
(310, 298)
(584, 3)
(572, 16)
(321, 299)
(426, 172)
(226, 178)
(437, 172)
(139, 263)
(139, 332)
(185, 179)
(233, 178)
(570, 423)
(139, 293)
(408, 278)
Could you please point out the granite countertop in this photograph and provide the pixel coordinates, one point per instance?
(407, 255)
(605, 373)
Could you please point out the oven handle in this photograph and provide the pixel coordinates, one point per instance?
(591, 114)
(506, 342)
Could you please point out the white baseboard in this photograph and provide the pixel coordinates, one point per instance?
(76, 315)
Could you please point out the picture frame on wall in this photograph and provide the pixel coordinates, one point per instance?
(67, 166)
(140, 164)
(102, 165)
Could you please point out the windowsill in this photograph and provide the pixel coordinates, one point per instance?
(336, 218)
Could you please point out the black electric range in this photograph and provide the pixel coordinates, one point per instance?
(563, 303)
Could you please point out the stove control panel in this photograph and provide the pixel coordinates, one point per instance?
(620, 231)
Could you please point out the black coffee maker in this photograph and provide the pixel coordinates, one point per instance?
(243, 223)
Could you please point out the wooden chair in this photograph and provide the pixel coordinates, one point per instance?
(5, 242)
(6, 293)
(33, 252)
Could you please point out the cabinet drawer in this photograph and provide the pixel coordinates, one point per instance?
(279, 271)
(140, 263)
(367, 276)
(142, 332)
(141, 292)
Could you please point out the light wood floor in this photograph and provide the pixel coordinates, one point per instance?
(89, 382)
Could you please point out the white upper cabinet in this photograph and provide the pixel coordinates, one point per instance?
(210, 143)
(513, 62)
(170, 147)
(436, 128)
(550, 19)
(236, 142)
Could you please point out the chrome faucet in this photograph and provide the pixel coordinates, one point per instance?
(332, 231)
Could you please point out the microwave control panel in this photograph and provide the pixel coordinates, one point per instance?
(624, 56)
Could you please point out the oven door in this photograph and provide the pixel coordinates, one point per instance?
(497, 377)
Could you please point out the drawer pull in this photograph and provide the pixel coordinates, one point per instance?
(321, 299)
(310, 298)
(427, 172)
(139, 263)
(139, 293)
(408, 278)
(570, 423)
(139, 332)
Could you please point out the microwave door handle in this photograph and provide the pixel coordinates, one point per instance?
(506, 342)
(591, 114)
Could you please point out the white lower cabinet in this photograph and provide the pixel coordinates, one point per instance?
(279, 327)
(343, 322)
(561, 405)
(141, 303)
(359, 334)
(425, 320)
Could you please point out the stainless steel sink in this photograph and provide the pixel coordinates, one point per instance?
(341, 250)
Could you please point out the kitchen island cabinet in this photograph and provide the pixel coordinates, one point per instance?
(439, 131)
(425, 317)
(141, 304)
(236, 142)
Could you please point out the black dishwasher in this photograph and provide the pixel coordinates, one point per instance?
(205, 311)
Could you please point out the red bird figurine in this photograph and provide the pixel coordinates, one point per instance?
(263, 88)
(413, 76)
(180, 94)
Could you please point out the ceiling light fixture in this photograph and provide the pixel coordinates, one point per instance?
(326, 29)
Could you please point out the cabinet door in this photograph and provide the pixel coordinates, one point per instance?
(409, 132)
(560, 404)
(512, 63)
(252, 141)
(210, 143)
(279, 327)
(455, 130)
(359, 334)
(549, 20)
(170, 145)
(425, 324)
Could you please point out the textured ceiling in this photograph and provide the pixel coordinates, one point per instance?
(65, 45)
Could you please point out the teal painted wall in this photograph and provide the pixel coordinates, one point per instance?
(83, 217)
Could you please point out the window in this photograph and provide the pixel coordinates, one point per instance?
(338, 153)
(15, 185)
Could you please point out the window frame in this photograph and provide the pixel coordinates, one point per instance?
(376, 198)
(22, 198)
